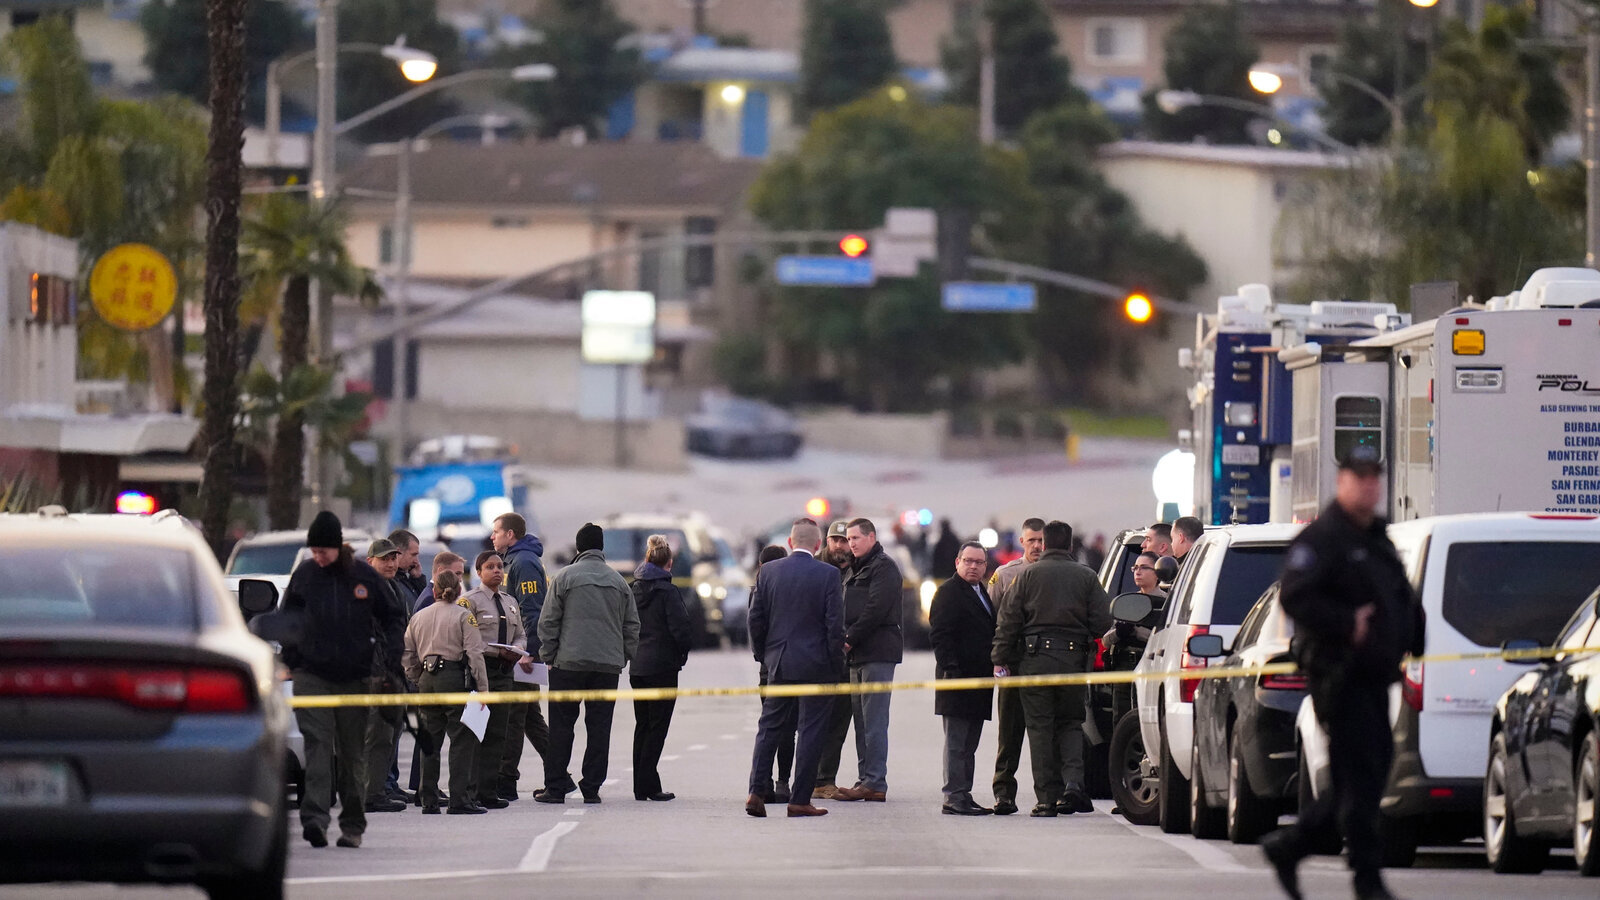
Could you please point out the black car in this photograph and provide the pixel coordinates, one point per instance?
(1245, 761)
(1543, 782)
(737, 427)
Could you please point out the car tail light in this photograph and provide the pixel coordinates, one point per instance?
(1099, 655)
(1187, 686)
(1411, 686)
(1290, 682)
(157, 688)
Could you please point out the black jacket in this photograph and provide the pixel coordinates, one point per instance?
(1057, 595)
(872, 609)
(962, 632)
(665, 636)
(1333, 567)
(345, 610)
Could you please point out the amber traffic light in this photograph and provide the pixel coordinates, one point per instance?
(853, 245)
(1138, 308)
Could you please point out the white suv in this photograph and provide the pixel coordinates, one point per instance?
(1484, 579)
(1224, 575)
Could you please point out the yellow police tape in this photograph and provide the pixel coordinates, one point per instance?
(323, 701)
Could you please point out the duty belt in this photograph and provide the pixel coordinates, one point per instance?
(1045, 641)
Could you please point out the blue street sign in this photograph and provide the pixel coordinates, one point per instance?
(988, 296)
(826, 271)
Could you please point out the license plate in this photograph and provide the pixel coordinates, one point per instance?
(34, 783)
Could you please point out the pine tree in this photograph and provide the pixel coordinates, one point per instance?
(846, 52)
(592, 71)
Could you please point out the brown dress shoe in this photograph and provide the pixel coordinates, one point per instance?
(754, 806)
(796, 810)
(826, 792)
(860, 793)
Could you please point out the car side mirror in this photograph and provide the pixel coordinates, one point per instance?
(1207, 646)
(1131, 607)
(1523, 652)
(1166, 570)
(257, 596)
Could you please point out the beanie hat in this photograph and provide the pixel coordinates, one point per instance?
(325, 531)
(590, 537)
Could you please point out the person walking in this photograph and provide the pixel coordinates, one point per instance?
(1012, 727)
(874, 645)
(1356, 617)
(1048, 628)
(344, 618)
(837, 554)
(524, 580)
(499, 624)
(384, 723)
(665, 638)
(588, 630)
(780, 792)
(797, 634)
(442, 646)
(961, 622)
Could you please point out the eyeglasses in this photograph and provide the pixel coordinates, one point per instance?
(973, 562)
(1144, 568)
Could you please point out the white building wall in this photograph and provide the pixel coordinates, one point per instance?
(499, 375)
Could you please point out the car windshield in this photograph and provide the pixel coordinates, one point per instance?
(133, 586)
(264, 559)
(1246, 574)
(1496, 591)
(625, 547)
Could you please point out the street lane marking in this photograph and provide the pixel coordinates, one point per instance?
(537, 858)
(693, 747)
(576, 812)
(669, 759)
(609, 782)
(730, 737)
(1207, 856)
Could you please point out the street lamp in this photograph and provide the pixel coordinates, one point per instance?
(416, 65)
(1268, 78)
(1171, 102)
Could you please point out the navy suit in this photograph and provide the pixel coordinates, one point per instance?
(797, 631)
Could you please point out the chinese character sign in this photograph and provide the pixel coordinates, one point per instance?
(133, 287)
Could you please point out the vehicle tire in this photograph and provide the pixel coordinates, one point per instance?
(265, 883)
(1327, 842)
(1174, 801)
(1401, 838)
(1097, 770)
(1133, 783)
(1586, 822)
(1509, 852)
(294, 781)
(1249, 817)
(1206, 822)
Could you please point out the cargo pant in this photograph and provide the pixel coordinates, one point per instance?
(485, 783)
(333, 734)
(1055, 723)
(441, 721)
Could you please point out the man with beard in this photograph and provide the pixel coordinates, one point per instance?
(384, 722)
(837, 554)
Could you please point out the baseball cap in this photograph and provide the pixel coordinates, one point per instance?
(838, 528)
(380, 548)
(1363, 459)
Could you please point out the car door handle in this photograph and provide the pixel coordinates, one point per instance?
(1159, 653)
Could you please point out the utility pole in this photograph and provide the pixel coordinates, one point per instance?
(322, 194)
(401, 357)
(986, 127)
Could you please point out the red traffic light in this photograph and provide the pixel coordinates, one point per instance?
(853, 245)
(1138, 308)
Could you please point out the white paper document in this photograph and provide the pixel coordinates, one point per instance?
(476, 717)
(512, 647)
(539, 675)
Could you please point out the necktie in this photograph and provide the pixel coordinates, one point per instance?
(982, 599)
(500, 608)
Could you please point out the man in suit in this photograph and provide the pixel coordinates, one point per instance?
(962, 630)
(797, 632)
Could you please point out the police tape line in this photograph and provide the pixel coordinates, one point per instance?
(325, 701)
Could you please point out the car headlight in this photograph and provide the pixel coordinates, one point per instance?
(928, 590)
(721, 592)
(703, 589)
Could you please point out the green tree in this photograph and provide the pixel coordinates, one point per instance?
(1368, 53)
(1030, 73)
(846, 52)
(581, 39)
(1207, 52)
(173, 29)
(366, 79)
(293, 244)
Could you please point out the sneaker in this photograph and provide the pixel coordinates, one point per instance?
(314, 836)
(1284, 863)
(352, 841)
(826, 792)
(1043, 811)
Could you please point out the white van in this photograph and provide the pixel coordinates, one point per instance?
(1484, 579)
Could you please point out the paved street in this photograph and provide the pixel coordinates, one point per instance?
(703, 844)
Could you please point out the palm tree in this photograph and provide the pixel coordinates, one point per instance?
(292, 245)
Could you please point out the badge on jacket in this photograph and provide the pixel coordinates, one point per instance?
(361, 592)
(472, 617)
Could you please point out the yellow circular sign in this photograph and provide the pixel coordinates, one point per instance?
(133, 287)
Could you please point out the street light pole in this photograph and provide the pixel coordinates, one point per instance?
(322, 168)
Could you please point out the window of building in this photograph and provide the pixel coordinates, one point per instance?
(1117, 41)
(385, 244)
(699, 261)
(51, 300)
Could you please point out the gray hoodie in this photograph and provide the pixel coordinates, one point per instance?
(590, 622)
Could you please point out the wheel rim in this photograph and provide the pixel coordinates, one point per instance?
(1141, 784)
(1495, 811)
(1233, 790)
(1588, 790)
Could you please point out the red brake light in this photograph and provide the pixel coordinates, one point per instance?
(1188, 686)
(1411, 686)
(1294, 682)
(141, 687)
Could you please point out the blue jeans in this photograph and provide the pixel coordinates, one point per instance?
(871, 715)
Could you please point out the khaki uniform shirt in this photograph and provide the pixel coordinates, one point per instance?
(1003, 578)
(449, 631)
(480, 600)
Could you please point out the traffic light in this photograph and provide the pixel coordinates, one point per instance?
(1138, 308)
(853, 245)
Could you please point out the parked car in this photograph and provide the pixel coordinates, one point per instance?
(152, 743)
(1228, 569)
(697, 567)
(1484, 579)
(739, 427)
(1543, 780)
(1120, 770)
(1243, 774)
(274, 555)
